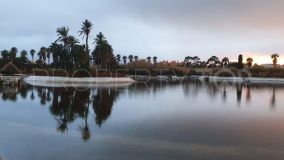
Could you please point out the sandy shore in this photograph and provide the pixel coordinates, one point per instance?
(78, 82)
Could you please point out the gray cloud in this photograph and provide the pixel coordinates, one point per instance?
(166, 28)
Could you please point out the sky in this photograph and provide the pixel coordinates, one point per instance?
(168, 29)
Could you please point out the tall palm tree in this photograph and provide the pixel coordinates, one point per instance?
(249, 62)
(130, 57)
(155, 59)
(24, 54)
(85, 32)
(124, 59)
(118, 58)
(149, 59)
(275, 59)
(62, 34)
(48, 53)
(240, 62)
(72, 41)
(136, 58)
(42, 54)
(13, 53)
(32, 53)
(5, 55)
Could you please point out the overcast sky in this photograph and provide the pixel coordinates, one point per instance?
(169, 29)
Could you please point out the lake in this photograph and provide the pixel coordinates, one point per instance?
(167, 121)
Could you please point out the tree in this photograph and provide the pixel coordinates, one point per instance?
(24, 57)
(48, 55)
(103, 53)
(124, 59)
(136, 58)
(85, 32)
(118, 58)
(195, 60)
(225, 62)
(32, 53)
(13, 54)
(42, 54)
(149, 59)
(213, 61)
(249, 62)
(72, 41)
(274, 57)
(5, 56)
(62, 34)
(155, 59)
(187, 60)
(130, 57)
(80, 56)
(240, 62)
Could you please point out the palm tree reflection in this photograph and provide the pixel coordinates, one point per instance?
(239, 92)
(273, 99)
(102, 104)
(68, 105)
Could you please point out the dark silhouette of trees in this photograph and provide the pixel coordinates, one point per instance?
(240, 62)
(103, 53)
(124, 60)
(5, 56)
(118, 58)
(24, 55)
(102, 104)
(13, 54)
(136, 58)
(130, 57)
(32, 53)
(155, 59)
(213, 61)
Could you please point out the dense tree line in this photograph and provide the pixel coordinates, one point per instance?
(66, 52)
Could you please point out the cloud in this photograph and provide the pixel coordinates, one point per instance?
(169, 29)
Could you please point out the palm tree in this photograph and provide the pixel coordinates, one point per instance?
(240, 62)
(118, 58)
(85, 32)
(149, 59)
(48, 53)
(62, 34)
(32, 53)
(5, 55)
(155, 59)
(72, 41)
(24, 54)
(124, 59)
(225, 62)
(13, 53)
(275, 59)
(42, 54)
(249, 62)
(136, 58)
(130, 57)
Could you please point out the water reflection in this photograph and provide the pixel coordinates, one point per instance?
(67, 105)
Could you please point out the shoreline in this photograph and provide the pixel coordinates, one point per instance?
(78, 82)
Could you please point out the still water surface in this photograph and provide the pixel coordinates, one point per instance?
(192, 120)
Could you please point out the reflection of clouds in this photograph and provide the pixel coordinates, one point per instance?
(128, 144)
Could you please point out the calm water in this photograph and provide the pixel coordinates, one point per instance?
(192, 120)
